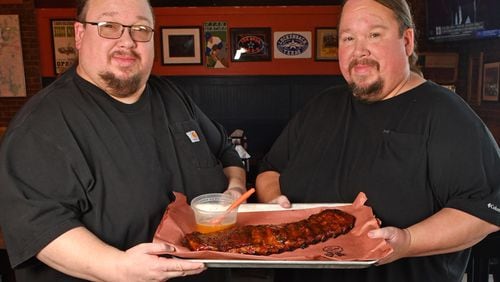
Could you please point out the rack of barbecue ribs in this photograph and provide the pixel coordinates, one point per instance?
(273, 239)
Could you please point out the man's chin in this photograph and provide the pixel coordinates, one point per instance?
(367, 92)
(363, 82)
(122, 84)
(123, 72)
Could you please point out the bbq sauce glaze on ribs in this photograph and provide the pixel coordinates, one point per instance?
(273, 239)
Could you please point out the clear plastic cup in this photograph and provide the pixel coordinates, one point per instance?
(210, 212)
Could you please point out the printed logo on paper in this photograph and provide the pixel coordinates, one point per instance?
(193, 136)
(333, 251)
(292, 44)
(252, 44)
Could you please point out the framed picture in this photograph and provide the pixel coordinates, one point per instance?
(181, 45)
(216, 45)
(250, 44)
(440, 67)
(491, 77)
(292, 44)
(63, 41)
(326, 44)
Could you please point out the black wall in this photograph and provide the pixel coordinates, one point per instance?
(259, 105)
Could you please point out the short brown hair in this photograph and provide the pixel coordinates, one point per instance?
(81, 10)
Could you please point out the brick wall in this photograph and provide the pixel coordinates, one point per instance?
(9, 106)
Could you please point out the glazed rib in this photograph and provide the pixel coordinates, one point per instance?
(273, 239)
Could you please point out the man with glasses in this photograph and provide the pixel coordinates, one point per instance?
(112, 30)
(88, 164)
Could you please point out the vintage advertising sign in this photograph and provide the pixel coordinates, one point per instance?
(326, 44)
(216, 45)
(251, 44)
(63, 38)
(292, 44)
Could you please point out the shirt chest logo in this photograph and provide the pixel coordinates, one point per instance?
(193, 136)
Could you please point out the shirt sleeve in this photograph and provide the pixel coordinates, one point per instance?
(218, 140)
(39, 194)
(278, 156)
(464, 162)
(288, 142)
(292, 139)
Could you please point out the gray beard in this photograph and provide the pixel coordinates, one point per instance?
(367, 94)
(121, 88)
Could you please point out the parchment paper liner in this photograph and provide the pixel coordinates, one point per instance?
(178, 220)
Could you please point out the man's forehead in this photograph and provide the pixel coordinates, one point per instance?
(366, 11)
(113, 8)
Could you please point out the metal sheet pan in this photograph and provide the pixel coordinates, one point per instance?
(218, 263)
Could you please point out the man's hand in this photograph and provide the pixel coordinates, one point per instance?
(79, 253)
(398, 239)
(235, 192)
(141, 264)
(282, 200)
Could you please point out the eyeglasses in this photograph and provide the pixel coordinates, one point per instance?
(112, 30)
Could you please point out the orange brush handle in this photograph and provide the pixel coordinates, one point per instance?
(241, 199)
(236, 203)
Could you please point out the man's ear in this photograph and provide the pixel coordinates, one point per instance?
(409, 40)
(79, 33)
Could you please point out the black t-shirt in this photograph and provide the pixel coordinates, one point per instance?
(412, 155)
(74, 156)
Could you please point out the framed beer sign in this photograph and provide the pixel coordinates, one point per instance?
(63, 41)
(251, 44)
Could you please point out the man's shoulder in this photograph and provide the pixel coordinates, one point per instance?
(45, 105)
(339, 90)
(444, 104)
(435, 94)
(331, 101)
(165, 87)
(336, 94)
(162, 83)
(60, 88)
(175, 98)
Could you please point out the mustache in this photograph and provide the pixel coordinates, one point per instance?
(130, 53)
(368, 62)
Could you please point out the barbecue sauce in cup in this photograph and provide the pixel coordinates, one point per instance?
(206, 228)
(210, 212)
